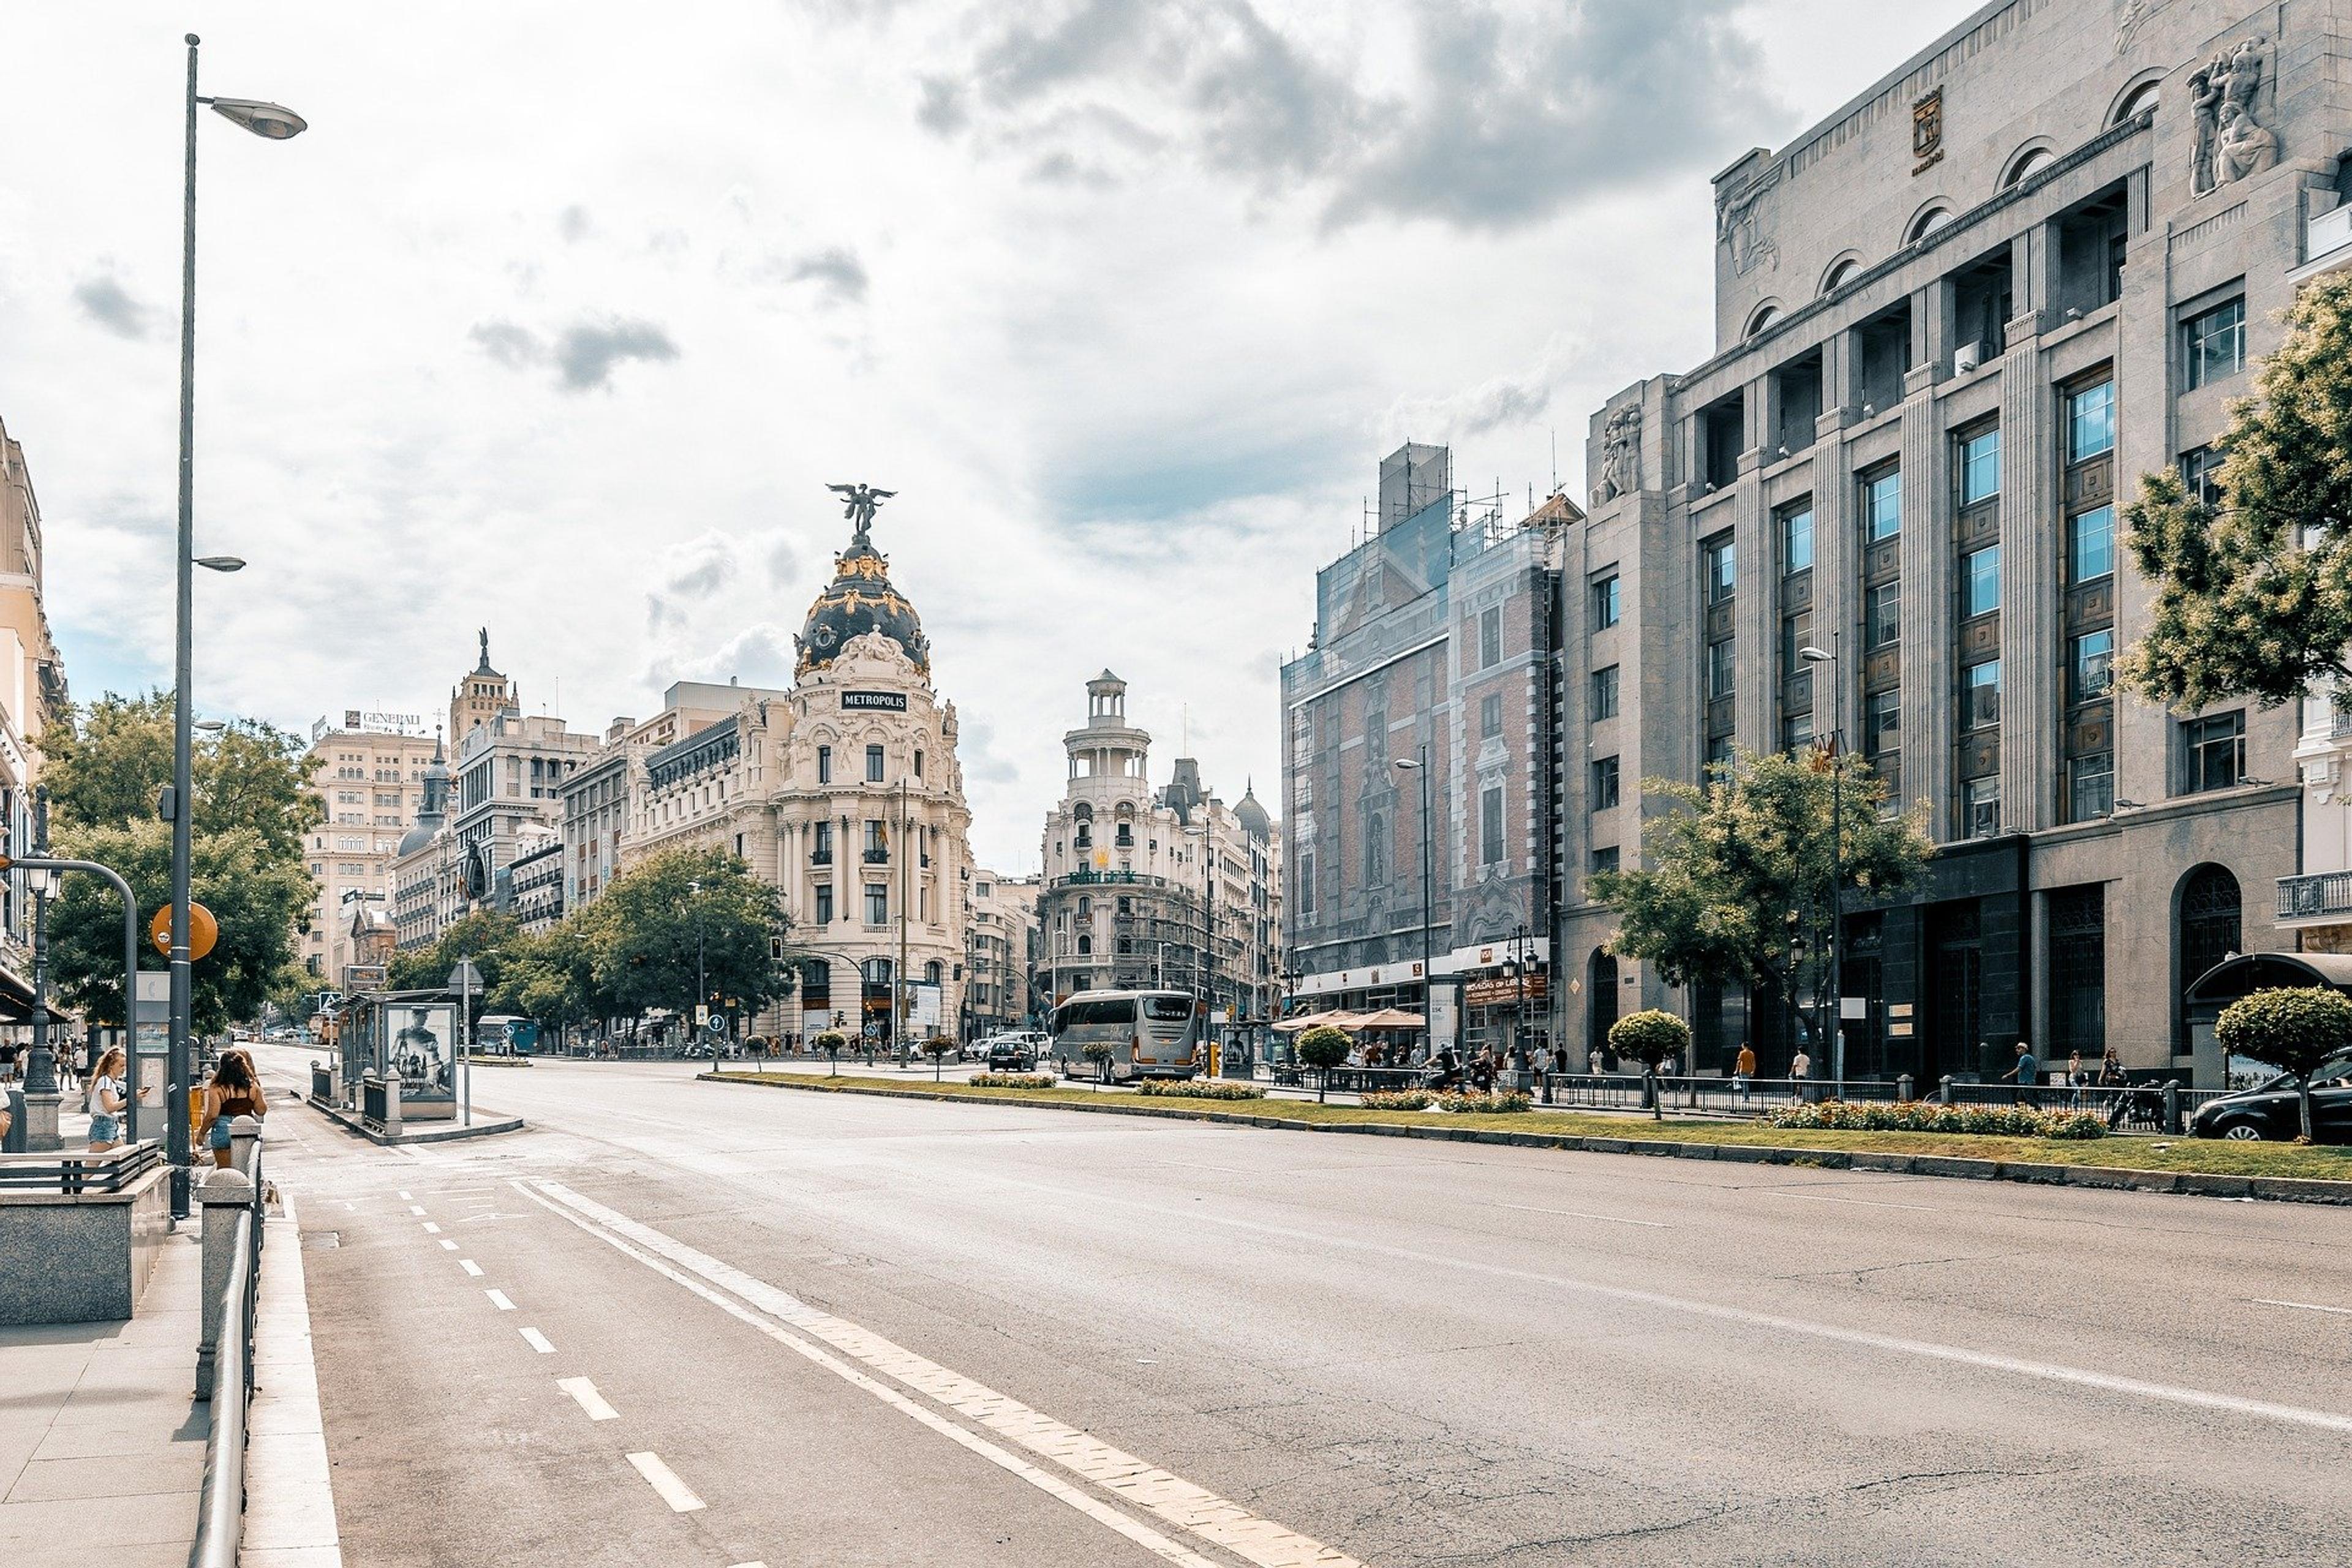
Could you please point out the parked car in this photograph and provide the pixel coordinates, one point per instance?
(2270, 1110)
(1009, 1053)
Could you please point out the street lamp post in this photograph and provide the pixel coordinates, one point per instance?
(1811, 655)
(701, 975)
(273, 123)
(1419, 764)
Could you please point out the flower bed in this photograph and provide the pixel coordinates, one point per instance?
(1011, 1080)
(1926, 1116)
(1500, 1101)
(1198, 1089)
(1399, 1100)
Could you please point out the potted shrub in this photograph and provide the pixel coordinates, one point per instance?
(1650, 1037)
(832, 1042)
(1099, 1052)
(937, 1048)
(1323, 1047)
(2297, 1029)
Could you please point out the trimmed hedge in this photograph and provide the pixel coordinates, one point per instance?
(1502, 1101)
(1926, 1116)
(1398, 1099)
(1198, 1088)
(1011, 1080)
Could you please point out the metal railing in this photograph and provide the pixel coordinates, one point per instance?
(112, 1171)
(2321, 893)
(220, 1511)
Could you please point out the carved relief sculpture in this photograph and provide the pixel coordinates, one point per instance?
(1621, 455)
(1735, 225)
(2230, 142)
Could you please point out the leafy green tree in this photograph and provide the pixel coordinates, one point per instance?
(108, 762)
(1743, 871)
(551, 977)
(2296, 1027)
(655, 928)
(2253, 597)
(1323, 1047)
(256, 896)
(486, 936)
(1650, 1037)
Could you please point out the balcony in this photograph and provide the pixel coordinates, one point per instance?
(2328, 233)
(820, 856)
(2323, 899)
(877, 857)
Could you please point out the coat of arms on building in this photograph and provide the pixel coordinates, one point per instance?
(1928, 132)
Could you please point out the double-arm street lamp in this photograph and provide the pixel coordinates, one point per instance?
(274, 123)
(1815, 655)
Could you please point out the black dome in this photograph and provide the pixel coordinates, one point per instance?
(860, 599)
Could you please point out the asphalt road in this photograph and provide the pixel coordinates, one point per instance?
(864, 1332)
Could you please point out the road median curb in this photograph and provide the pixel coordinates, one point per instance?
(2196, 1183)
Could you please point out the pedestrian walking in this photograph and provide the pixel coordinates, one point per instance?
(1801, 1072)
(235, 1090)
(2111, 1069)
(2027, 1072)
(1593, 1061)
(1743, 1070)
(109, 1100)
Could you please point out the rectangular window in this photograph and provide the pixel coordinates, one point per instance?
(2215, 752)
(2091, 659)
(1606, 859)
(2091, 787)
(1796, 636)
(1980, 808)
(2214, 345)
(1490, 716)
(2091, 422)
(1797, 538)
(1980, 694)
(1882, 725)
(1981, 467)
(825, 903)
(1490, 638)
(2201, 475)
(1604, 783)
(1490, 826)
(878, 841)
(1981, 581)
(1605, 693)
(1605, 606)
(1719, 753)
(873, 764)
(918, 763)
(2090, 546)
(822, 850)
(1881, 615)
(1796, 732)
(825, 764)
(1881, 505)
(877, 903)
(1719, 571)
(1722, 669)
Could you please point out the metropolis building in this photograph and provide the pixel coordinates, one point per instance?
(1955, 321)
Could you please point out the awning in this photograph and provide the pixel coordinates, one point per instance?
(1389, 1018)
(1341, 1020)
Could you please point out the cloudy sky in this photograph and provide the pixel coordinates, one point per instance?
(560, 316)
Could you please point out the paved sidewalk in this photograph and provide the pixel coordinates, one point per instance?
(101, 1438)
(289, 1499)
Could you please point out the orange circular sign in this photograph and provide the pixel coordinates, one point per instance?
(203, 931)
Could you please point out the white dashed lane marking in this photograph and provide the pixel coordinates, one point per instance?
(416, 1208)
(583, 1393)
(664, 1481)
(431, 1229)
(537, 1342)
(470, 1267)
(498, 1299)
(1580, 1214)
(2303, 1306)
(449, 1246)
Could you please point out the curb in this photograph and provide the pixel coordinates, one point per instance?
(352, 1123)
(2191, 1183)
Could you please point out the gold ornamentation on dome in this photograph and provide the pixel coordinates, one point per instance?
(870, 566)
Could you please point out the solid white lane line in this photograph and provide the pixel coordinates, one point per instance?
(498, 1299)
(2048, 1371)
(2303, 1306)
(537, 1342)
(431, 1229)
(1191, 1508)
(1580, 1214)
(470, 1267)
(447, 1244)
(583, 1393)
(664, 1480)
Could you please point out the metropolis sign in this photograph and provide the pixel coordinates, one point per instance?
(873, 702)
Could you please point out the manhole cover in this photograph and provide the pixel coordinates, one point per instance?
(318, 1240)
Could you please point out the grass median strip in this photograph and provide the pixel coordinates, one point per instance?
(1606, 1133)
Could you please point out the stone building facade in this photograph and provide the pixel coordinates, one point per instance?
(1955, 321)
(1437, 645)
(845, 793)
(367, 771)
(1001, 949)
(32, 695)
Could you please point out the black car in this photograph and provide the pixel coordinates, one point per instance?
(1010, 1055)
(2271, 1109)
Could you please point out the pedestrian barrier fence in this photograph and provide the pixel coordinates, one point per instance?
(112, 1171)
(220, 1514)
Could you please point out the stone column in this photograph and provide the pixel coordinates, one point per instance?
(222, 1194)
(2031, 570)
(1927, 668)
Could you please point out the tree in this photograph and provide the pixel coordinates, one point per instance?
(486, 936)
(551, 977)
(654, 934)
(2296, 1027)
(2254, 595)
(255, 896)
(108, 762)
(1323, 1047)
(1650, 1037)
(1743, 874)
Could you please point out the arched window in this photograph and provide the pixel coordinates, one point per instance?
(1841, 272)
(1765, 314)
(2210, 928)
(2136, 101)
(876, 971)
(1600, 998)
(2024, 164)
(1933, 219)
